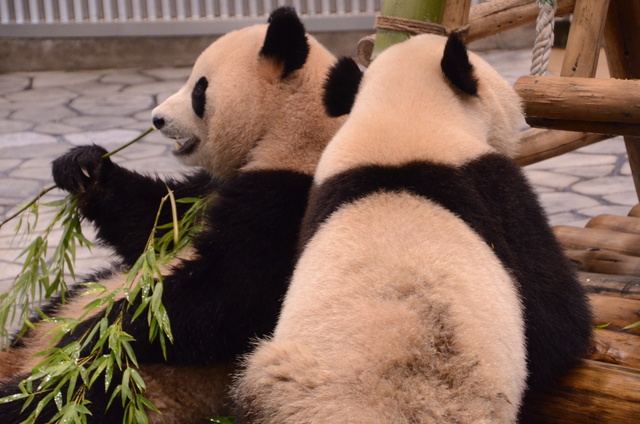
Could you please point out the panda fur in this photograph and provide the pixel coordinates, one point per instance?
(429, 288)
(251, 116)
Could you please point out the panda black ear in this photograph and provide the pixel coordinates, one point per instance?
(456, 66)
(341, 87)
(286, 40)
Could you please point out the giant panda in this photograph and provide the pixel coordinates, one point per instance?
(429, 287)
(251, 116)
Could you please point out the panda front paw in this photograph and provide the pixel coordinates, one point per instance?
(79, 167)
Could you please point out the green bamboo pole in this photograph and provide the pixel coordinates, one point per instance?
(420, 10)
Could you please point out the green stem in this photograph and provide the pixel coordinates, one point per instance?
(124, 146)
(44, 191)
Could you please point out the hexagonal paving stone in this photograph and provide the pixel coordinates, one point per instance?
(126, 77)
(8, 126)
(169, 73)
(605, 209)
(563, 201)
(95, 88)
(113, 137)
(45, 97)
(628, 198)
(63, 78)
(612, 146)
(568, 218)
(114, 104)
(18, 188)
(6, 164)
(41, 115)
(95, 123)
(24, 139)
(10, 83)
(604, 186)
(550, 179)
(573, 160)
(54, 128)
(41, 150)
(588, 171)
(155, 88)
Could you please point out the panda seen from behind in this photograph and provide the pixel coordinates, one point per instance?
(251, 116)
(430, 288)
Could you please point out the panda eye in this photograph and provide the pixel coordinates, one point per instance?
(198, 96)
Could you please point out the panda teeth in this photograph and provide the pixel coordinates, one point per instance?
(178, 145)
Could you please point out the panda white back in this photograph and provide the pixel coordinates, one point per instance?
(429, 282)
(408, 110)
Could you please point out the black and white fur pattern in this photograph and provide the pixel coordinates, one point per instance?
(251, 115)
(430, 288)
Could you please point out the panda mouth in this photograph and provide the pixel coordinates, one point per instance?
(185, 146)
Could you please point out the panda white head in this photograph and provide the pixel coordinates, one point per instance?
(424, 99)
(257, 86)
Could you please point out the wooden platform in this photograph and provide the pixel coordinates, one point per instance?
(604, 388)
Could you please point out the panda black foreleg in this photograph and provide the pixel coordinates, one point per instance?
(122, 204)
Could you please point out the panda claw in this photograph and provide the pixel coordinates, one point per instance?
(85, 172)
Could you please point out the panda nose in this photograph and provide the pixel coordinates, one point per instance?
(158, 122)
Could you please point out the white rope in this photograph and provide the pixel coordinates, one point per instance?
(544, 37)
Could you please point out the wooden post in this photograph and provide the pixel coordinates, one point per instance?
(595, 238)
(456, 13)
(585, 35)
(538, 144)
(582, 104)
(622, 45)
(496, 16)
(591, 393)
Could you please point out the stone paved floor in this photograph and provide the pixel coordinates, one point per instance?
(45, 113)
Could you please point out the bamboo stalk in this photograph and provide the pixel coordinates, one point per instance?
(538, 144)
(635, 211)
(431, 10)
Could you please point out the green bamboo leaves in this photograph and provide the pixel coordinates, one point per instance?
(101, 356)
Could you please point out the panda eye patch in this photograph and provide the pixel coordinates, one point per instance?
(198, 96)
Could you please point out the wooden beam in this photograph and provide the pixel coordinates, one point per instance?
(592, 105)
(623, 224)
(603, 261)
(585, 35)
(591, 393)
(493, 17)
(485, 19)
(611, 285)
(615, 311)
(615, 347)
(622, 44)
(595, 238)
(538, 144)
